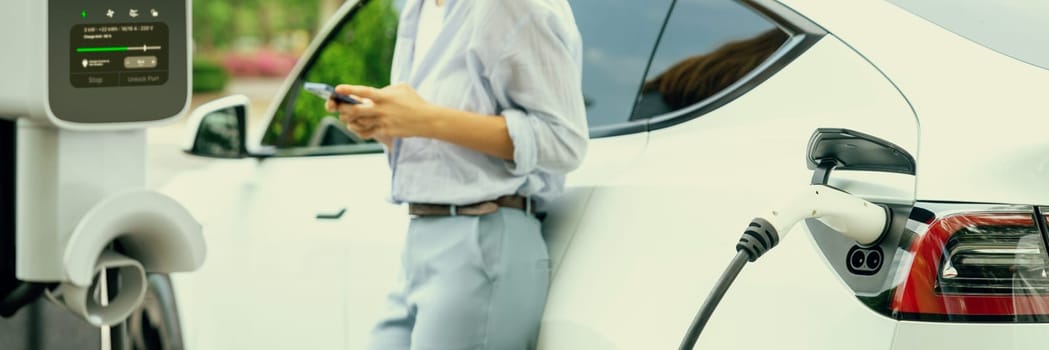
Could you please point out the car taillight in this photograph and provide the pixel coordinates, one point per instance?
(976, 266)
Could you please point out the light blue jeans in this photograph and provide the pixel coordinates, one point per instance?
(468, 282)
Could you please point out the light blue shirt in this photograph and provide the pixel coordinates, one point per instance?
(517, 58)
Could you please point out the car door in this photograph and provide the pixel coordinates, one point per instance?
(729, 100)
(307, 228)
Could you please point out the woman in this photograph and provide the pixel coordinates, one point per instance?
(483, 121)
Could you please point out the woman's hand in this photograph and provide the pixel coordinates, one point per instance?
(354, 125)
(398, 111)
(394, 111)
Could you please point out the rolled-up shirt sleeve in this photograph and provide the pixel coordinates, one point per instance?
(537, 80)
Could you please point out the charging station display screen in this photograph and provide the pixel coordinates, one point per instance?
(117, 61)
(125, 54)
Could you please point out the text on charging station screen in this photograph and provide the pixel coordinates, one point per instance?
(121, 62)
(127, 54)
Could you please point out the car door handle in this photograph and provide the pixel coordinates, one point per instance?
(333, 215)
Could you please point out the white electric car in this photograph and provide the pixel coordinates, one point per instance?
(701, 114)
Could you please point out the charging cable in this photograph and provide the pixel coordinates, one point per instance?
(853, 217)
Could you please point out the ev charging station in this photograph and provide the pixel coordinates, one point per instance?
(80, 81)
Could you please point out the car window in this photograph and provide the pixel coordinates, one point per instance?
(618, 37)
(617, 46)
(359, 51)
(707, 46)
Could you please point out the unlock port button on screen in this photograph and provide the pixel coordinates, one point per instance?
(140, 62)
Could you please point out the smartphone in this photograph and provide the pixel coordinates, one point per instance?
(326, 92)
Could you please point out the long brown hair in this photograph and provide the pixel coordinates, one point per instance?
(701, 76)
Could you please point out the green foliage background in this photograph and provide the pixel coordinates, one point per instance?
(217, 23)
(208, 76)
(359, 53)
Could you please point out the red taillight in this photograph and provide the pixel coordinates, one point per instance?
(977, 264)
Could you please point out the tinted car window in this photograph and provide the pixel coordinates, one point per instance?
(360, 51)
(707, 46)
(618, 37)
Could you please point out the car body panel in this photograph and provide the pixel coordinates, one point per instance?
(607, 161)
(950, 336)
(651, 245)
(285, 278)
(982, 130)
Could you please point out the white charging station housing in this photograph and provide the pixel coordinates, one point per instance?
(83, 80)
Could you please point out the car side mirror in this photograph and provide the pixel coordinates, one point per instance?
(845, 149)
(217, 129)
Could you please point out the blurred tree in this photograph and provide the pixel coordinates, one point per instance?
(211, 22)
(219, 24)
(208, 76)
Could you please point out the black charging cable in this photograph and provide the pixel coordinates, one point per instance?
(759, 237)
(23, 294)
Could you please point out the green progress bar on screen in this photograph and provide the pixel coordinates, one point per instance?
(142, 48)
(101, 49)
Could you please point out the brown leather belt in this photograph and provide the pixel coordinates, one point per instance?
(476, 209)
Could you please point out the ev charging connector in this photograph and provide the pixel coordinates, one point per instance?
(853, 217)
(82, 82)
